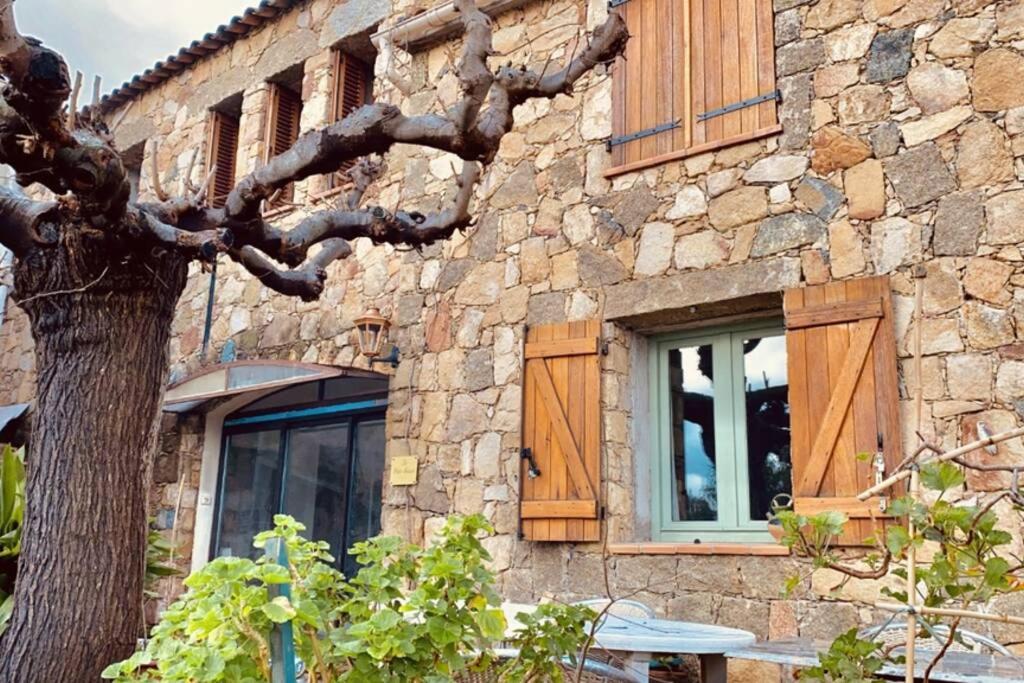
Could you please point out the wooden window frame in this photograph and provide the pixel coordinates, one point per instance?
(732, 475)
(212, 153)
(686, 139)
(270, 139)
(338, 76)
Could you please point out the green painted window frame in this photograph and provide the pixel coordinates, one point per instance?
(731, 468)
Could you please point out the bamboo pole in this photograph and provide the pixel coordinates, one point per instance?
(915, 480)
(949, 455)
(950, 612)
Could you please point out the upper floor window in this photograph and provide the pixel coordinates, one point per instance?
(351, 89)
(721, 432)
(283, 122)
(222, 150)
(692, 81)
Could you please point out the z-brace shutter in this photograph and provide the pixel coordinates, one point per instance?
(696, 75)
(561, 458)
(283, 130)
(352, 78)
(844, 398)
(222, 151)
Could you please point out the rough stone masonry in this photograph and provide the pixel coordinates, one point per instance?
(902, 144)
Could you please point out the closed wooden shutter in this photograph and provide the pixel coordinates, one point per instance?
(843, 396)
(352, 79)
(283, 129)
(562, 432)
(222, 152)
(686, 59)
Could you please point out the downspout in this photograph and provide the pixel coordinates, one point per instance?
(209, 312)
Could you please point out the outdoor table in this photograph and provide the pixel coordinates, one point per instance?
(955, 667)
(639, 639)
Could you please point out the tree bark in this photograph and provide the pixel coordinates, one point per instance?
(101, 323)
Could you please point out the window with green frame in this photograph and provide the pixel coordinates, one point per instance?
(720, 432)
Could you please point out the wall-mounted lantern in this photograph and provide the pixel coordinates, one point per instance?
(373, 328)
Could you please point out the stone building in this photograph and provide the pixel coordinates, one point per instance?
(605, 287)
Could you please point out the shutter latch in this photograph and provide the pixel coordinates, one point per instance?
(532, 470)
(640, 134)
(743, 104)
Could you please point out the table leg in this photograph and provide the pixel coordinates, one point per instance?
(713, 669)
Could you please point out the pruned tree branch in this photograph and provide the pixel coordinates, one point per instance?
(306, 282)
(20, 218)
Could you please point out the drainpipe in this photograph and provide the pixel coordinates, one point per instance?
(209, 312)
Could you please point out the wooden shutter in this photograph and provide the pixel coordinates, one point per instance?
(686, 59)
(562, 431)
(843, 396)
(283, 129)
(222, 151)
(352, 78)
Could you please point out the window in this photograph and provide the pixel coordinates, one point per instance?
(132, 160)
(352, 88)
(721, 435)
(299, 453)
(222, 150)
(283, 123)
(692, 81)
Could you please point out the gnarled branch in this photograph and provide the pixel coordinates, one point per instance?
(19, 219)
(306, 282)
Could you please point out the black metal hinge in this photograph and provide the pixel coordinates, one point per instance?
(645, 133)
(736, 106)
(612, 4)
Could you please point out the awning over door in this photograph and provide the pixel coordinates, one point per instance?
(240, 377)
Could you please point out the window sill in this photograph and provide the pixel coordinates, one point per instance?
(651, 548)
(691, 151)
(277, 213)
(326, 194)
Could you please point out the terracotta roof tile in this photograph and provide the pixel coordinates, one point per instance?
(238, 27)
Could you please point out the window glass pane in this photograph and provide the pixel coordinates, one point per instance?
(766, 392)
(692, 405)
(367, 479)
(250, 490)
(317, 482)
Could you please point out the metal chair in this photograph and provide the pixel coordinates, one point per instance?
(895, 632)
(620, 608)
(593, 671)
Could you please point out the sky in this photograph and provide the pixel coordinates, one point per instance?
(119, 38)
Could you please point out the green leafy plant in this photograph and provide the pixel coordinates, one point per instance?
(968, 565)
(12, 510)
(158, 560)
(411, 614)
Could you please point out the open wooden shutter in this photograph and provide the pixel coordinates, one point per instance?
(562, 433)
(697, 75)
(283, 129)
(222, 152)
(352, 78)
(843, 396)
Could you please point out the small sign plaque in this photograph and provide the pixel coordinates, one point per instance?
(404, 470)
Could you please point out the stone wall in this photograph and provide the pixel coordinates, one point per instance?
(902, 144)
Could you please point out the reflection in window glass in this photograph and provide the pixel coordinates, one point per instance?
(367, 476)
(250, 488)
(317, 481)
(692, 398)
(766, 392)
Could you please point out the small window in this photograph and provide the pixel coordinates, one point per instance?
(222, 150)
(132, 159)
(721, 432)
(352, 88)
(283, 123)
(692, 82)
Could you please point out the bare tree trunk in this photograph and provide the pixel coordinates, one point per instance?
(101, 354)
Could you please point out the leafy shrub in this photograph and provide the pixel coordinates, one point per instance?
(12, 510)
(410, 615)
(971, 564)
